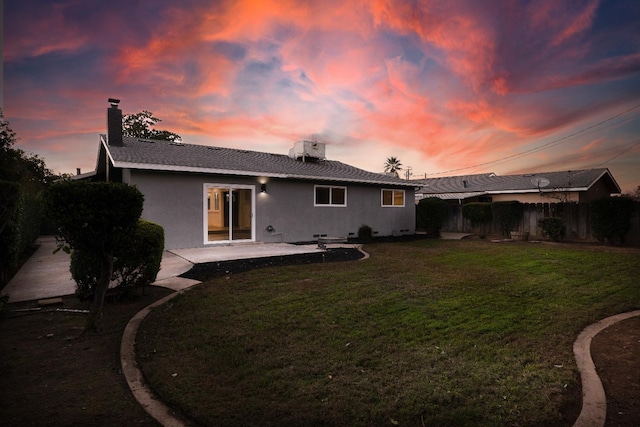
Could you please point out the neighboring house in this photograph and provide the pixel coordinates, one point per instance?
(205, 195)
(580, 186)
(564, 194)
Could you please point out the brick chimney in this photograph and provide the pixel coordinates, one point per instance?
(114, 123)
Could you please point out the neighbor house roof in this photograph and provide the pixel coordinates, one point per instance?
(465, 186)
(170, 156)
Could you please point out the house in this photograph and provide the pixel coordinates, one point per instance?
(579, 186)
(204, 195)
(565, 194)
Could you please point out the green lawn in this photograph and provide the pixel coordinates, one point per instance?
(422, 333)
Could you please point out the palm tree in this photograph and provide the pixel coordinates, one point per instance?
(392, 166)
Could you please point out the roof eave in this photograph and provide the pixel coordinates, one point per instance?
(193, 169)
(615, 183)
(536, 190)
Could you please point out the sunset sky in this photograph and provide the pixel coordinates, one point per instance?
(448, 87)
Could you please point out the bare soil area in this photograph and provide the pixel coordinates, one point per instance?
(616, 354)
(47, 378)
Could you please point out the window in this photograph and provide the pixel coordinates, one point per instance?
(330, 196)
(393, 198)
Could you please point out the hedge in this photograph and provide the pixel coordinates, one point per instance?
(477, 212)
(611, 218)
(20, 217)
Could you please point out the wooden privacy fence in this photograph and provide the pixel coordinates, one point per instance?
(575, 215)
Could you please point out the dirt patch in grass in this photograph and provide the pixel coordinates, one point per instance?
(616, 354)
(47, 379)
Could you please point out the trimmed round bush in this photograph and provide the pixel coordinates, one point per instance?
(136, 263)
(365, 232)
(553, 228)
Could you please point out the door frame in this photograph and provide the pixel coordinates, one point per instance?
(205, 211)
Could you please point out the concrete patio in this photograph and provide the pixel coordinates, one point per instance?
(46, 275)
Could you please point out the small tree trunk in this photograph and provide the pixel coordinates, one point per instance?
(95, 310)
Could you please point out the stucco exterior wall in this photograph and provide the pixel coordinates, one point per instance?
(176, 201)
(288, 206)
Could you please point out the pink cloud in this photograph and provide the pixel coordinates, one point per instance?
(459, 82)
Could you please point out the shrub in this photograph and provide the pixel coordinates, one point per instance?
(136, 263)
(20, 215)
(478, 213)
(4, 300)
(611, 218)
(552, 228)
(431, 215)
(9, 194)
(365, 232)
(95, 217)
(85, 271)
(507, 215)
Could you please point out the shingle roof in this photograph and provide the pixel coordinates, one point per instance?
(163, 155)
(490, 183)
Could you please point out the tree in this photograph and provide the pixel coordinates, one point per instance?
(18, 166)
(97, 218)
(139, 125)
(23, 178)
(635, 195)
(392, 166)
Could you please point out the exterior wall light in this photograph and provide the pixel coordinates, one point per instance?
(263, 188)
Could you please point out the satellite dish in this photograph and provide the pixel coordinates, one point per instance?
(539, 181)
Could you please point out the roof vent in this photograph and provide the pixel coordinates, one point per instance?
(308, 151)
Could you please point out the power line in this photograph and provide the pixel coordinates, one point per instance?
(542, 147)
(636, 143)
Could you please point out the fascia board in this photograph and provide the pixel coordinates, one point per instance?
(535, 190)
(175, 168)
(106, 149)
(608, 173)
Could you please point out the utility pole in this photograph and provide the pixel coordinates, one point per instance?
(408, 172)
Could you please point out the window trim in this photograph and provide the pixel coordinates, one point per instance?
(330, 204)
(393, 191)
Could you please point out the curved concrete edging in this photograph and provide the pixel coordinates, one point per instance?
(139, 388)
(141, 391)
(594, 400)
(366, 254)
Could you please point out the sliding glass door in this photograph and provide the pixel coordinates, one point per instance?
(228, 213)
